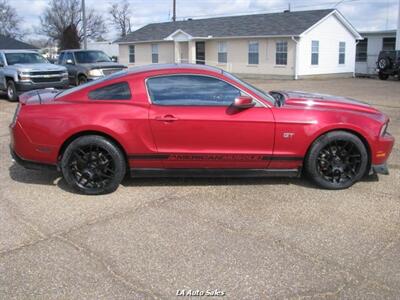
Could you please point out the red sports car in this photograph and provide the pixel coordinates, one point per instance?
(191, 120)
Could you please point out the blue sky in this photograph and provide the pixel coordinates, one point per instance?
(363, 14)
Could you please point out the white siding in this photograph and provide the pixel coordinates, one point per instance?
(329, 33)
(109, 48)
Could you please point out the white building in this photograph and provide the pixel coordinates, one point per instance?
(368, 49)
(288, 44)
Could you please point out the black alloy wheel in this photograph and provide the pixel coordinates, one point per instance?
(93, 165)
(337, 160)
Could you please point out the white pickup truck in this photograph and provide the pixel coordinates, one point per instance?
(22, 70)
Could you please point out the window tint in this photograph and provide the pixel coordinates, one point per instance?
(116, 91)
(60, 58)
(191, 90)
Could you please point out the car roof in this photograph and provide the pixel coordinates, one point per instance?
(159, 67)
(19, 51)
(80, 50)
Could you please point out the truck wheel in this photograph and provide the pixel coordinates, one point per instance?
(384, 63)
(383, 76)
(12, 91)
(337, 160)
(93, 165)
(81, 79)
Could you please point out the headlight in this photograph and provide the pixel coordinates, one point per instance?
(96, 72)
(384, 128)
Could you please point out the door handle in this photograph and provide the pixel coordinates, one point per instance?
(166, 118)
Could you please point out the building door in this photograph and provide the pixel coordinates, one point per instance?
(200, 53)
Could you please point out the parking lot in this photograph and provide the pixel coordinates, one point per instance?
(247, 238)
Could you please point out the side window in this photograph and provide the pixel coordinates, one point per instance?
(132, 54)
(115, 91)
(187, 90)
(60, 58)
(68, 56)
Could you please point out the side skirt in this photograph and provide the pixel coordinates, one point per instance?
(215, 172)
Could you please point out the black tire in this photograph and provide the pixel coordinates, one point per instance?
(337, 160)
(81, 80)
(383, 76)
(93, 165)
(12, 93)
(384, 63)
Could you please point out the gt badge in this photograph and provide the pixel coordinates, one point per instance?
(288, 135)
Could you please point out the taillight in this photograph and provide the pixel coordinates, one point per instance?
(15, 118)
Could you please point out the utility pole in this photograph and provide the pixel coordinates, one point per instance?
(398, 30)
(84, 24)
(173, 10)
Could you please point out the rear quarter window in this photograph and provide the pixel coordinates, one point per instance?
(115, 91)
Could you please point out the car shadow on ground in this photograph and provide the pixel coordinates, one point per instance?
(22, 175)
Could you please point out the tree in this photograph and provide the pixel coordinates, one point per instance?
(70, 38)
(9, 20)
(121, 17)
(62, 18)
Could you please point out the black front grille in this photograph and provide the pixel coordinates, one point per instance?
(110, 71)
(43, 79)
(46, 73)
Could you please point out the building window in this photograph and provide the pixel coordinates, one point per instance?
(132, 54)
(342, 53)
(154, 53)
(281, 53)
(361, 50)
(389, 43)
(222, 53)
(314, 52)
(253, 53)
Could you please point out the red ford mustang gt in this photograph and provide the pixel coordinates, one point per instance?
(190, 120)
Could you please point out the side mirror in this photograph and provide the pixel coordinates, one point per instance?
(1, 65)
(243, 102)
(70, 62)
(114, 59)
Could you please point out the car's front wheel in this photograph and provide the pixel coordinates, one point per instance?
(93, 165)
(337, 160)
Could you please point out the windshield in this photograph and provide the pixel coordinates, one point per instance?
(24, 58)
(257, 91)
(89, 57)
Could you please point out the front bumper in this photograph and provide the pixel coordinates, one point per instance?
(380, 169)
(29, 85)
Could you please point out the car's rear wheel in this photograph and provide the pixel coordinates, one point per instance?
(12, 94)
(93, 165)
(337, 160)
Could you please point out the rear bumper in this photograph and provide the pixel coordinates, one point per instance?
(28, 86)
(31, 164)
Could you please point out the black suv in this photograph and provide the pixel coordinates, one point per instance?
(388, 64)
(86, 65)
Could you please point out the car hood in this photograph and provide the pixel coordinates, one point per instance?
(103, 65)
(38, 67)
(324, 101)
